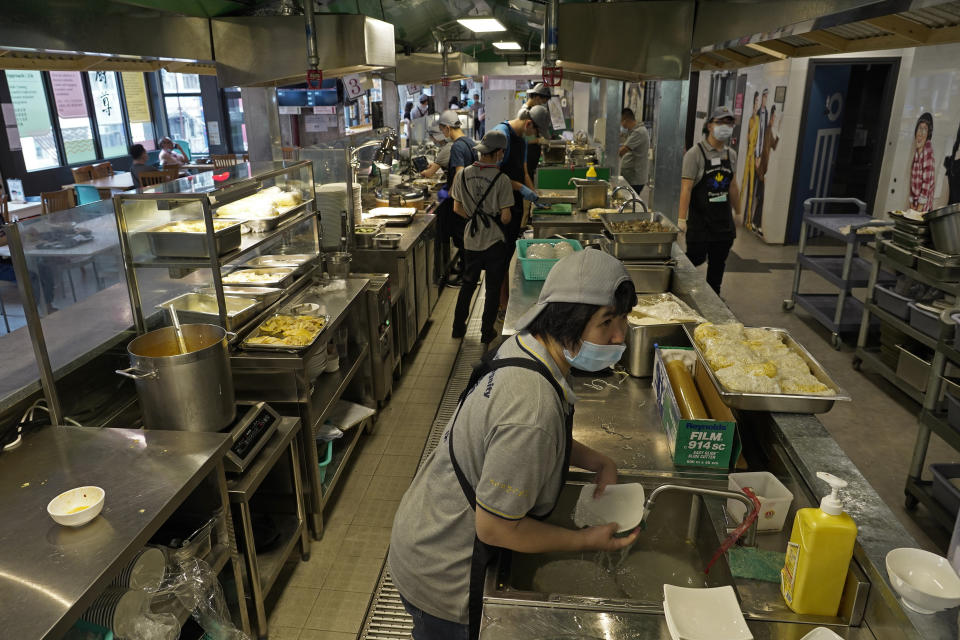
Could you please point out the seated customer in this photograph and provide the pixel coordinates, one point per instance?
(171, 155)
(139, 155)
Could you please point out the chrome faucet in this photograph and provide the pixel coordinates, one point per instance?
(618, 189)
(632, 200)
(749, 538)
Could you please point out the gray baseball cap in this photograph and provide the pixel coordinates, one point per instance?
(587, 277)
(449, 118)
(541, 89)
(720, 113)
(492, 140)
(541, 117)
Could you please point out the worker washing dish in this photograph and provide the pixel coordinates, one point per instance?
(501, 463)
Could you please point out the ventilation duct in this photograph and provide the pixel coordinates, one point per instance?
(427, 68)
(272, 50)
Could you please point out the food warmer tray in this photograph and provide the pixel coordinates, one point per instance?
(266, 296)
(776, 402)
(636, 250)
(283, 277)
(299, 261)
(247, 346)
(262, 225)
(660, 237)
(202, 308)
(898, 254)
(182, 244)
(944, 267)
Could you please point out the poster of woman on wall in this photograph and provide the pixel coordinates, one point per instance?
(952, 164)
(770, 141)
(749, 163)
(633, 98)
(923, 167)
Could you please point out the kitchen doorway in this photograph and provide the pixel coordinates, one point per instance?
(842, 133)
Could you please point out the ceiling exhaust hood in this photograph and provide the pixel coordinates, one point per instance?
(272, 51)
(427, 68)
(652, 40)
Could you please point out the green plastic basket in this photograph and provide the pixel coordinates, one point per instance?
(536, 269)
(323, 464)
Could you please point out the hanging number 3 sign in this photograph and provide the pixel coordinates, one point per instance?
(353, 86)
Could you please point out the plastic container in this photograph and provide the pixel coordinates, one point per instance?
(818, 555)
(926, 322)
(322, 465)
(892, 302)
(775, 499)
(943, 490)
(535, 268)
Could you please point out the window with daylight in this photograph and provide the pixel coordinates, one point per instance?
(71, 105)
(181, 98)
(106, 106)
(29, 98)
(238, 128)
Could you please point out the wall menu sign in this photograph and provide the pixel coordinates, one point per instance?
(29, 102)
(135, 94)
(68, 94)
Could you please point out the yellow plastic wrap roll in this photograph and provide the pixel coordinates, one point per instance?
(685, 390)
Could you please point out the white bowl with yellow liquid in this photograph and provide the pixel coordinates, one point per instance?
(77, 507)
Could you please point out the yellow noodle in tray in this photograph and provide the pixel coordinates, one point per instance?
(756, 360)
(288, 331)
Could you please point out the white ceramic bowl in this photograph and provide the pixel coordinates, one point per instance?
(925, 581)
(77, 507)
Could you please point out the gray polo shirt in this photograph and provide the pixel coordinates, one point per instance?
(468, 187)
(693, 166)
(509, 441)
(635, 164)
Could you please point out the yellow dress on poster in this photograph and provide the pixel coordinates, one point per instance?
(749, 164)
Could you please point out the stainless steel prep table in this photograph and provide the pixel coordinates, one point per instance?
(49, 574)
(412, 282)
(288, 382)
(801, 439)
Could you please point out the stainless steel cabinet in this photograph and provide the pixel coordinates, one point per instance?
(422, 278)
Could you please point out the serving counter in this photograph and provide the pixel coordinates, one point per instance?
(50, 574)
(624, 423)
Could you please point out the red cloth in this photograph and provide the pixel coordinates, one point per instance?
(922, 178)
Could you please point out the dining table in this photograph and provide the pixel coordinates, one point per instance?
(120, 181)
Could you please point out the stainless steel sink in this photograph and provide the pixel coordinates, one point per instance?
(663, 554)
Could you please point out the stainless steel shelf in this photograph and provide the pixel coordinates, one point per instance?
(339, 462)
(902, 325)
(876, 364)
(248, 242)
(217, 558)
(332, 385)
(922, 490)
(893, 265)
(272, 561)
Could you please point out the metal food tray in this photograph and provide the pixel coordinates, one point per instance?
(262, 225)
(181, 244)
(637, 250)
(202, 308)
(776, 402)
(266, 296)
(939, 258)
(284, 277)
(938, 271)
(636, 237)
(298, 261)
(279, 347)
(899, 254)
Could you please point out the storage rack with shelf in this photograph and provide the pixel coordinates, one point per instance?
(193, 263)
(840, 312)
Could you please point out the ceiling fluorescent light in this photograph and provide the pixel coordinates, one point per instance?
(482, 25)
(512, 46)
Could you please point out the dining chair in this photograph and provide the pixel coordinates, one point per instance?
(153, 158)
(87, 193)
(82, 174)
(57, 200)
(151, 178)
(223, 161)
(102, 170)
(185, 146)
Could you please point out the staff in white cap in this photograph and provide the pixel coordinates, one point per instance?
(502, 462)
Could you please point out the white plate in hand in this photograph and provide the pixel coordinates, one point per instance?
(704, 614)
(620, 503)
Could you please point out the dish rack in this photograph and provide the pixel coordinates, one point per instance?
(538, 268)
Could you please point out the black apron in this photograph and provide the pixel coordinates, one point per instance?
(480, 217)
(483, 554)
(710, 216)
(452, 224)
(513, 164)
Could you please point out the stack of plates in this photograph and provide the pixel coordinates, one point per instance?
(118, 609)
(332, 198)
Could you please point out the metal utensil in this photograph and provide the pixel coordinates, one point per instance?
(177, 328)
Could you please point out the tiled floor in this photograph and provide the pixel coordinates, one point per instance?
(327, 597)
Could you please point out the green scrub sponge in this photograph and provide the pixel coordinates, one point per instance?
(755, 564)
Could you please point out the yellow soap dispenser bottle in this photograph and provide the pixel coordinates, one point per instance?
(591, 172)
(818, 554)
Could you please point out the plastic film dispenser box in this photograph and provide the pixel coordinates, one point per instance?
(713, 443)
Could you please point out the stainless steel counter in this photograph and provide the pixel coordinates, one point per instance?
(410, 234)
(802, 439)
(49, 574)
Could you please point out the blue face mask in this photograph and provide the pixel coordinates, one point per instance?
(595, 357)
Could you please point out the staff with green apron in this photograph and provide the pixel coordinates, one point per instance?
(501, 463)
